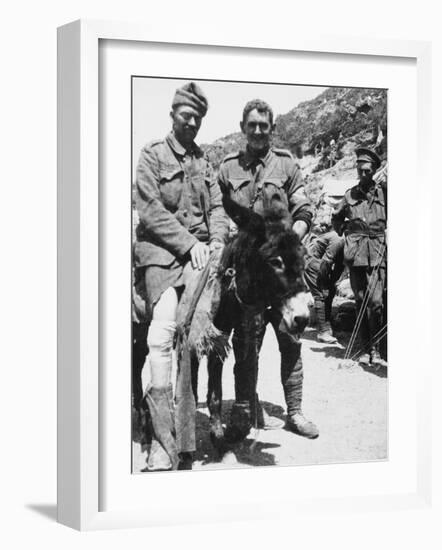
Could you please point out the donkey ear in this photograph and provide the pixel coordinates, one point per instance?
(244, 218)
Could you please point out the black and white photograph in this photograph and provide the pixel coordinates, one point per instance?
(259, 274)
(210, 337)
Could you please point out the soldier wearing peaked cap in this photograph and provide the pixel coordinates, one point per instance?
(365, 155)
(363, 213)
(181, 221)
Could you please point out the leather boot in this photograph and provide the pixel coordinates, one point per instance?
(298, 424)
(296, 421)
(364, 360)
(326, 338)
(163, 452)
(376, 360)
(186, 460)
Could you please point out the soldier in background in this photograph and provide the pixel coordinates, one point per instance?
(363, 214)
(324, 266)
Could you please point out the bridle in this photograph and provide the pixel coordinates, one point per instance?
(230, 273)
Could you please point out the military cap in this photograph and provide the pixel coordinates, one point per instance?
(364, 154)
(191, 94)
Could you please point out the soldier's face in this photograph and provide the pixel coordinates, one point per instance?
(258, 130)
(186, 122)
(366, 172)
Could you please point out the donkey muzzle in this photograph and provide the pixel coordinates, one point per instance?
(296, 313)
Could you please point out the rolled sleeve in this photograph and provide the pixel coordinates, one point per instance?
(299, 206)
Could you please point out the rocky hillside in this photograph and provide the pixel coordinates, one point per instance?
(342, 114)
(323, 133)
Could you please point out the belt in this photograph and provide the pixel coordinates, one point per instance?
(369, 234)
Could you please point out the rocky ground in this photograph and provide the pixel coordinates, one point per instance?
(349, 405)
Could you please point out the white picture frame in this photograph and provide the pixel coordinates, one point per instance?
(79, 273)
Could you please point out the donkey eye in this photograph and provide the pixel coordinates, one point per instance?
(276, 262)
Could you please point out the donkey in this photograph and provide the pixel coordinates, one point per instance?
(261, 268)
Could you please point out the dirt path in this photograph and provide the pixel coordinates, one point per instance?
(348, 404)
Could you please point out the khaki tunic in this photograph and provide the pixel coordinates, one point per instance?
(250, 182)
(366, 215)
(178, 203)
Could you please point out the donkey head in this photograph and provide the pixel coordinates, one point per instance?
(269, 262)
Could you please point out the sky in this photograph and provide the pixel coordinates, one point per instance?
(152, 98)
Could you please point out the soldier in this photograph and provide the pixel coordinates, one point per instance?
(181, 222)
(247, 177)
(324, 266)
(363, 212)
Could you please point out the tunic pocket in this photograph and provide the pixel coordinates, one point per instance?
(277, 182)
(237, 183)
(171, 187)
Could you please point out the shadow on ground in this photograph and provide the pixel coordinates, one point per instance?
(338, 351)
(249, 452)
(382, 372)
(329, 351)
(49, 511)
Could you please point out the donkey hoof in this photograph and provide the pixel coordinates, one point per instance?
(236, 434)
(238, 427)
(216, 428)
(217, 434)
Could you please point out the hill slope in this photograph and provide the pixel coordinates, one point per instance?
(349, 116)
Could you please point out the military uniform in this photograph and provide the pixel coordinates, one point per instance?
(250, 181)
(324, 266)
(363, 212)
(253, 182)
(179, 203)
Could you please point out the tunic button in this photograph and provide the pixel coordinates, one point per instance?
(185, 213)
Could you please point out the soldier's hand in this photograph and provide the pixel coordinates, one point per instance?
(199, 255)
(300, 228)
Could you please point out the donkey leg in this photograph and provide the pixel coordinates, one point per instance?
(140, 429)
(139, 353)
(246, 411)
(214, 400)
(194, 368)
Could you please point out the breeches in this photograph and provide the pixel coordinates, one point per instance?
(322, 299)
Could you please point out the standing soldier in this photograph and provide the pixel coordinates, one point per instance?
(247, 177)
(363, 212)
(181, 222)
